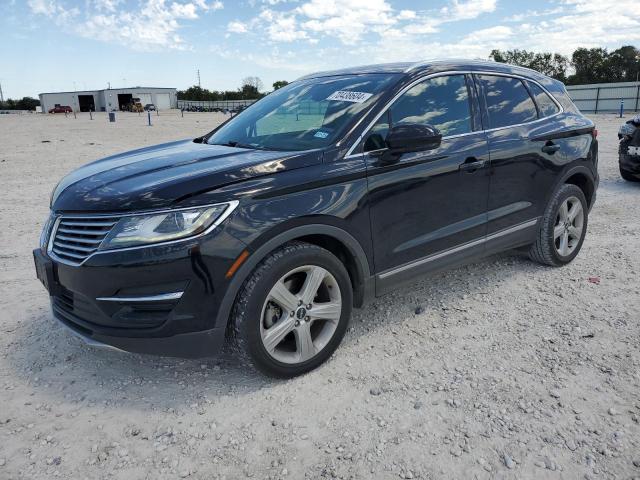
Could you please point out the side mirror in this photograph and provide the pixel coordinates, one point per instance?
(413, 137)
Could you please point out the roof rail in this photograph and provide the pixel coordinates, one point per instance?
(423, 63)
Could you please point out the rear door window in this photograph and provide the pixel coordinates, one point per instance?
(546, 106)
(508, 101)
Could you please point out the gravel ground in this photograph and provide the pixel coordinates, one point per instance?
(501, 369)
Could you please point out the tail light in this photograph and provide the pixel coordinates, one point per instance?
(594, 133)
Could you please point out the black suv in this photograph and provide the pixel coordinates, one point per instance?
(327, 192)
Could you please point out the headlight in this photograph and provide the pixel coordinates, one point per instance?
(46, 231)
(137, 230)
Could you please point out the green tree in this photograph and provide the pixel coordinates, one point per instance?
(623, 64)
(590, 65)
(279, 84)
(254, 83)
(552, 64)
(249, 90)
(25, 103)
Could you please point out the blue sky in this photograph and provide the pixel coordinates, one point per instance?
(52, 45)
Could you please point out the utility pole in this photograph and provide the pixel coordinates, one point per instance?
(199, 86)
(1, 96)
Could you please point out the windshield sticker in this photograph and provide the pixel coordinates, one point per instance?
(321, 134)
(347, 96)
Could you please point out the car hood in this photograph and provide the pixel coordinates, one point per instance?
(162, 175)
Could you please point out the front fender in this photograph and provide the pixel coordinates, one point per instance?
(265, 244)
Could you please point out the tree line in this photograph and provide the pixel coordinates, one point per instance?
(25, 103)
(251, 89)
(586, 65)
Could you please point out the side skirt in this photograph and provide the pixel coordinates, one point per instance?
(512, 237)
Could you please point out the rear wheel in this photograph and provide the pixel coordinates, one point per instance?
(562, 228)
(293, 311)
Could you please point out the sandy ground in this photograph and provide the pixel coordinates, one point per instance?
(511, 370)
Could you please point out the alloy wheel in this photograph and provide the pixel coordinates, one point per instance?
(300, 314)
(567, 231)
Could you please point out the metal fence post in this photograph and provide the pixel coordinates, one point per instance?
(597, 97)
(637, 97)
(621, 107)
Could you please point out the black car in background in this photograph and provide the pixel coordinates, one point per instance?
(330, 191)
(629, 149)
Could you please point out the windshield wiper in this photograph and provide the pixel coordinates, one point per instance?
(234, 144)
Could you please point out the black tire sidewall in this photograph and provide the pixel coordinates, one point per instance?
(250, 330)
(565, 192)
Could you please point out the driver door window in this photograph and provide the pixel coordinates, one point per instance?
(442, 102)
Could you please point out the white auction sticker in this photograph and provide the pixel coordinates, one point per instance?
(347, 96)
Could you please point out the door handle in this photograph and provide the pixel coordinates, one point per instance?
(550, 148)
(471, 164)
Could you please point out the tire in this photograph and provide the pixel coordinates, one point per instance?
(549, 247)
(628, 176)
(262, 304)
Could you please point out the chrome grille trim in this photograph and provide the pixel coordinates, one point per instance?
(77, 231)
(75, 238)
(87, 224)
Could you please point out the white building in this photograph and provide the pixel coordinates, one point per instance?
(110, 99)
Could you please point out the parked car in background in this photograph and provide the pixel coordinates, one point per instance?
(268, 230)
(150, 107)
(61, 109)
(629, 149)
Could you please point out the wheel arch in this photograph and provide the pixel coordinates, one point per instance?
(582, 178)
(336, 240)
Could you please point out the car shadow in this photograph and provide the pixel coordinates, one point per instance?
(430, 296)
(54, 363)
(616, 185)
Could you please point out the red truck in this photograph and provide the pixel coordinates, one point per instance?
(61, 109)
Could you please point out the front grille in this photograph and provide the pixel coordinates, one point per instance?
(75, 238)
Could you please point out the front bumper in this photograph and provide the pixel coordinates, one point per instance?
(185, 345)
(630, 163)
(119, 298)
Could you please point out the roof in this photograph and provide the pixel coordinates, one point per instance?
(426, 65)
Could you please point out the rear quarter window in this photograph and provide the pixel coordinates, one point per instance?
(546, 106)
(508, 101)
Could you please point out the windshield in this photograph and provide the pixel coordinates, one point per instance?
(303, 115)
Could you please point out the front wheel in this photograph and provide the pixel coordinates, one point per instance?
(562, 228)
(293, 310)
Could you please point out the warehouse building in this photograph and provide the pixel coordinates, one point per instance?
(109, 100)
